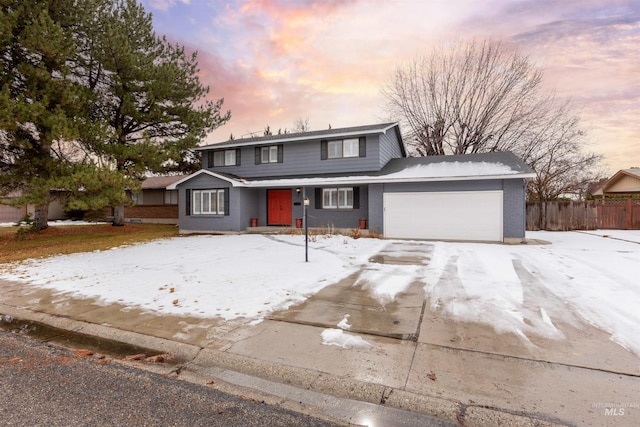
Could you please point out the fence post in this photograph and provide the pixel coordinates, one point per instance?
(629, 214)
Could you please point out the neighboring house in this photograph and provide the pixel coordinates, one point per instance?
(354, 177)
(154, 203)
(625, 181)
(10, 213)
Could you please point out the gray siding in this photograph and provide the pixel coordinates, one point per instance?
(301, 158)
(338, 218)
(231, 222)
(389, 147)
(515, 208)
(376, 214)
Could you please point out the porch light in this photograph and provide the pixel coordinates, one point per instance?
(298, 190)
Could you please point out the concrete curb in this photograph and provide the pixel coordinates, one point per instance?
(198, 362)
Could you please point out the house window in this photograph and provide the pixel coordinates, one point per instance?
(137, 198)
(270, 154)
(224, 158)
(343, 148)
(337, 198)
(170, 197)
(208, 202)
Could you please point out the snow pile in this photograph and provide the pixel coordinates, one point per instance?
(338, 338)
(344, 323)
(384, 282)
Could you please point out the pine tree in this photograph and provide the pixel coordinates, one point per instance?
(148, 107)
(37, 99)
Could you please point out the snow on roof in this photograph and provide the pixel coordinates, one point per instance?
(448, 171)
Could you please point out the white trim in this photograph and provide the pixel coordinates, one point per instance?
(233, 182)
(382, 179)
(297, 137)
(345, 180)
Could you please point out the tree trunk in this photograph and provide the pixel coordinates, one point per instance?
(118, 216)
(40, 217)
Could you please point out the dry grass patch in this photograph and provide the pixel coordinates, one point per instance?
(76, 238)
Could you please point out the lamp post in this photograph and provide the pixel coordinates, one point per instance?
(306, 225)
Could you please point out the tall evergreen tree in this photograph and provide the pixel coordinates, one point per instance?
(37, 99)
(147, 100)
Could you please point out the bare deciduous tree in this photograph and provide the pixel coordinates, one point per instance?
(482, 97)
(555, 151)
(301, 125)
(469, 98)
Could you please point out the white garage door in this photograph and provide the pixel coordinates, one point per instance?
(459, 215)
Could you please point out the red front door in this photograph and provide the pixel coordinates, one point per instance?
(278, 207)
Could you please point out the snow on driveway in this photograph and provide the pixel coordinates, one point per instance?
(522, 289)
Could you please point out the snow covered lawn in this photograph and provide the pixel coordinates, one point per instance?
(524, 289)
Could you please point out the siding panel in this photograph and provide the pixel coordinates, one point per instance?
(303, 158)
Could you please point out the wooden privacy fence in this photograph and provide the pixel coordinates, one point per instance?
(621, 214)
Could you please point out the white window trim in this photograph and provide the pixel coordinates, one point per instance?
(200, 198)
(230, 157)
(269, 154)
(225, 158)
(333, 195)
(343, 148)
(354, 144)
(337, 153)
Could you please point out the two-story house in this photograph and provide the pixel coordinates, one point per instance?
(351, 177)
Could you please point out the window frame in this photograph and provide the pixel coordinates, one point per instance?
(354, 150)
(222, 158)
(346, 148)
(336, 153)
(331, 198)
(170, 197)
(269, 154)
(212, 197)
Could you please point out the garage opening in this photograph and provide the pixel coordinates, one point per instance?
(456, 215)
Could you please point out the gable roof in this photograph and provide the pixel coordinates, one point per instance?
(625, 181)
(305, 136)
(465, 167)
(159, 182)
(234, 181)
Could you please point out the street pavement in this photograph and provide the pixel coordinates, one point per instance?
(418, 361)
(43, 385)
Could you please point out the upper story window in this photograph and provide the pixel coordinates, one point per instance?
(343, 148)
(224, 158)
(269, 154)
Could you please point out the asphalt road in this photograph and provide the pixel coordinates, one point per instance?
(44, 385)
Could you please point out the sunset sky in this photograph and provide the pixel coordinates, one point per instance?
(274, 61)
